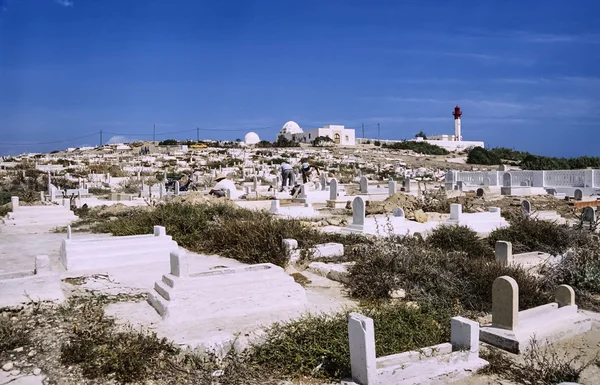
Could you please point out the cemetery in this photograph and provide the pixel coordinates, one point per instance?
(382, 251)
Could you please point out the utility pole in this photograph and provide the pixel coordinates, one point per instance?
(363, 130)
(100, 138)
(197, 134)
(378, 131)
(154, 133)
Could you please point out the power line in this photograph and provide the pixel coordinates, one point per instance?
(53, 142)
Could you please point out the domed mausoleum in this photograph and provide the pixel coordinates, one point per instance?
(251, 138)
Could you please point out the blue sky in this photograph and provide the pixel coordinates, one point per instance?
(525, 73)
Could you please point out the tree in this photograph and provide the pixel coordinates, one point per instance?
(421, 134)
(238, 140)
(480, 155)
(168, 142)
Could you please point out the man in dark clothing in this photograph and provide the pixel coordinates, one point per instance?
(306, 170)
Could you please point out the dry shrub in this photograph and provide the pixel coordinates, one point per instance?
(460, 238)
(245, 235)
(527, 235)
(13, 332)
(540, 365)
(448, 279)
(101, 350)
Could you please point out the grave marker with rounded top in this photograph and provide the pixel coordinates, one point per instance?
(398, 212)
(333, 189)
(578, 195)
(505, 303)
(358, 211)
(564, 296)
(364, 185)
(526, 207)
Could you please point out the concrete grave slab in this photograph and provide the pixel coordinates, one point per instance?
(439, 364)
(39, 284)
(94, 254)
(512, 330)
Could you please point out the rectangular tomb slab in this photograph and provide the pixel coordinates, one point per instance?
(230, 292)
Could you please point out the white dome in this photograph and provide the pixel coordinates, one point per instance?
(290, 128)
(251, 138)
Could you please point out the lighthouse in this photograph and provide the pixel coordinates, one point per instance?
(457, 113)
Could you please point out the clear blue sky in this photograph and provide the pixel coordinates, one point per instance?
(525, 73)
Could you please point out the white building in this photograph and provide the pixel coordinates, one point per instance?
(339, 134)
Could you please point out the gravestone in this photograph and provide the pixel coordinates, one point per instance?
(255, 184)
(526, 207)
(302, 193)
(275, 206)
(361, 335)
(589, 215)
(364, 185)
(578, 194)
(68, 231)
(503, 253)
(455, 211)
(506, 180)
(392, 187)
(358, 212)
(505, 303)
(14, 203)
(480, 192)
(176, 187)
(317, 186)
(323, 182)
(398, 212)
(406, 184)
(564, 296)
(460, 185)
(333, 189)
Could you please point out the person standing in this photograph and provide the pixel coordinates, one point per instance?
(287, 175)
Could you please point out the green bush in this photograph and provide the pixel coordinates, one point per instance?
(462, 239)
(445, 279)
(168, 142)
(298, 347)
(509, 154)
(246, 235)
(418, 147)
(528, 235)
(480, 155)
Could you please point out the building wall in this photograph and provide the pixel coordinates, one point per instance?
(345, 136)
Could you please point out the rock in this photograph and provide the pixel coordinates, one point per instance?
(8, 367)
(398, 294)
(19, 350)
(420, 216)
(32, 353)
(412, 305)
(15, 372)
(37, 371)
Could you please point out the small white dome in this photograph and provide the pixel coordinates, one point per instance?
(290, 128)
(251, 138)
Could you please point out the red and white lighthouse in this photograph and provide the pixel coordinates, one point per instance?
(457, 113)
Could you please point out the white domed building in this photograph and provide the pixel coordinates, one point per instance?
(340, 135)
(251, 139)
